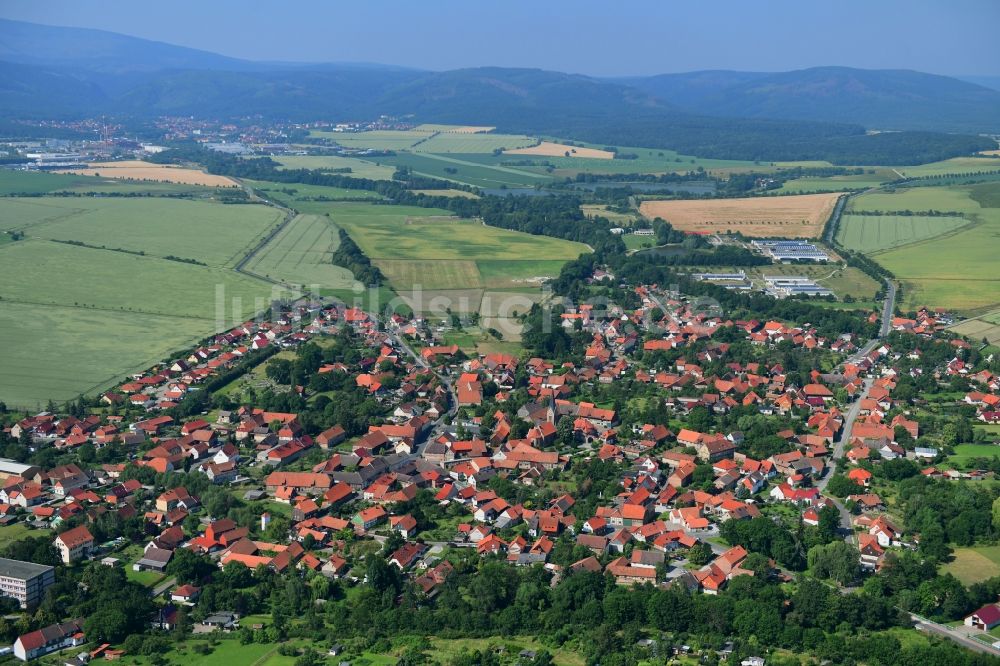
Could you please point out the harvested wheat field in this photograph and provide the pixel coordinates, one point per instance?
(799, 216)
(162, 173)
(549, 149)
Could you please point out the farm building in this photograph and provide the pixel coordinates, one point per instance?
(790, 250)
(782, 286)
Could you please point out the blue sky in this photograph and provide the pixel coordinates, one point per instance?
(604, 38)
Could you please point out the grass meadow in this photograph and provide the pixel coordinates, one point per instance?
(460, 169)
(873, 233)
(301, 254)
(76, 319)
(956, 270)
(211, 233)
(975, 564)
(359, 168)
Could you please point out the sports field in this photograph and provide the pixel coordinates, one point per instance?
(872, 233)
(794, 216)
(957, 270)
(359, 168)
(211, 233)
(301, 254)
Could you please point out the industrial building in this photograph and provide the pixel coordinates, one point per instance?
(782, 286)
(790, 250)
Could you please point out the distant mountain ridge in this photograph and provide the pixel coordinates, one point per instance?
(48, 72)
(879, 99)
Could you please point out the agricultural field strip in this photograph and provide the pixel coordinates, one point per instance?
(877, 233)
(504, 169)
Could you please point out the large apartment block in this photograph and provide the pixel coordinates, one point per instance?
(25, 581)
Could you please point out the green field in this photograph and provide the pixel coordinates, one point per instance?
(427, 140)
(297, 195)
(211, 233)
(872, 233)
(451, 259)
(966, 452)
(58, 352)
(46, 273)
(955, 165)
(646, 160)
(301, 254)
(955, 271)
(77, 319)
(359, 168)
(973, 565)
(444, 142)
(461, 169)
(985, 326)
(11, 533)
(410, 232)
(35, 182)
(833, 183)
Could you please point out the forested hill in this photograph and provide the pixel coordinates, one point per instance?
(41, 79)
(879, 99)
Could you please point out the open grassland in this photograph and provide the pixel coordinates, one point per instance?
(599, 210)
(211, 233)
(986, 327)
(58, 352)
(18, 531)
(914, 199)
(301, 196)
(861, 181)
(34, 182)
(550, 149)
(645, 160)
(456, 129)
(974, 565)
(430, 274)
(957, 270)
(447, 193)
(405, 232)
(516, 274)
(460, 168)
(872, 233)
(967, 452)
(952, 166)
(47, 273)
(301, 254)
(376, 140)
(453, 261)
(165, 173)
(796, 216)
(359, 168)
(464, 142)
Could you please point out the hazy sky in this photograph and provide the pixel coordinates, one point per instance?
(598, 38)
